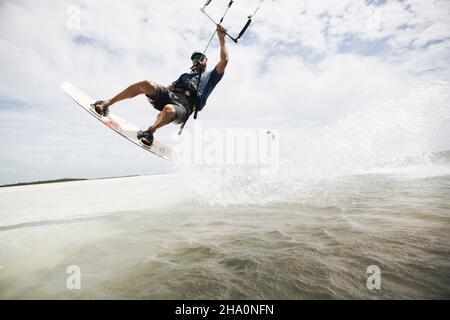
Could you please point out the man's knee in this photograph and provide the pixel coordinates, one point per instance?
(169, 110)
(148, 87)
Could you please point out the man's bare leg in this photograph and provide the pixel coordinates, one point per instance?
(143, 87)
(165, 117)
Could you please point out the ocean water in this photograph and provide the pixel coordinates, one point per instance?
(365, 191)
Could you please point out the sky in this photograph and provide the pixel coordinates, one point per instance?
(302, 65)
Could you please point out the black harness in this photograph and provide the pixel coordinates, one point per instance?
(190, 90)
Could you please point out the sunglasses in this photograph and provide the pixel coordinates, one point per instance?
(198, 58)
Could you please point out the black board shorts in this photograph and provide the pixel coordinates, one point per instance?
(164, 97)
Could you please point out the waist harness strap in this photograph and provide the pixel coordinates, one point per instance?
(194, 111)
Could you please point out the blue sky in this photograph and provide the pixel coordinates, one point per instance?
(302, 64)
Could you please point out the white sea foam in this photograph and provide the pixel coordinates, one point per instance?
(395, 137)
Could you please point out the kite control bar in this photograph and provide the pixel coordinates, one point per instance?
(247, 24)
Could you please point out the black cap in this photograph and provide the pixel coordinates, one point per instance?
(197, 55)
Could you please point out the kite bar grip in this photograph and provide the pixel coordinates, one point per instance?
(244, 29)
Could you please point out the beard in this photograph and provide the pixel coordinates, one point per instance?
(199, 68)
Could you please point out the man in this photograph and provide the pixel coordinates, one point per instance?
(178, 100)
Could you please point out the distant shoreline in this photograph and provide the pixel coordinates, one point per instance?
(58, 181)
(40, 182)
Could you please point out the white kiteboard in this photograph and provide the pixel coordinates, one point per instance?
(117, 124)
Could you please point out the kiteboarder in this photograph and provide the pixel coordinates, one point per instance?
(181, 98)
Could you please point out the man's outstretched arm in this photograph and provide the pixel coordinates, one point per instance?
(221, 32)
